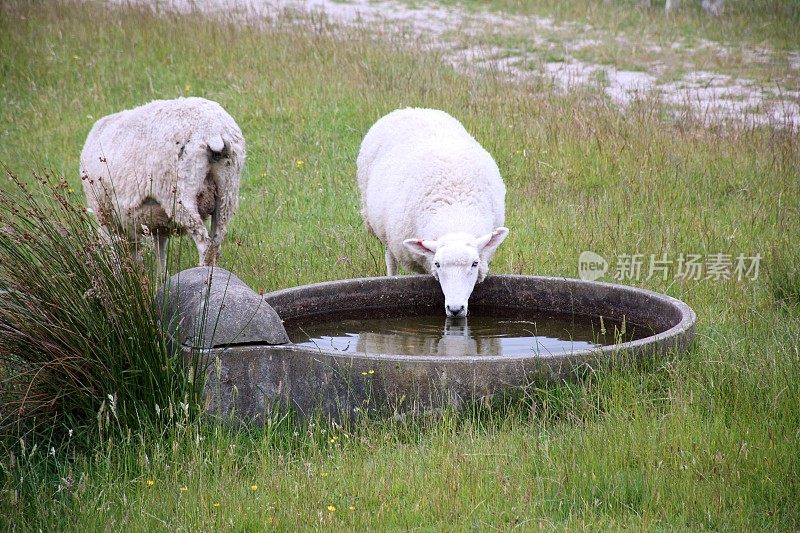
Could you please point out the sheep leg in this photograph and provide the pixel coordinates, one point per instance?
(391, 263)
(217, 233)
(105, 235)
(214, 241)
(186, 216)
(106, 240)
(160, 241)
(214, 226)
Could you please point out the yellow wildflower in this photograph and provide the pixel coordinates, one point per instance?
(254, 487)
(216, 504)
(332, 508)
(352, 508)
(323, 474)
(150, 482)
(299, 163)
(184, 488)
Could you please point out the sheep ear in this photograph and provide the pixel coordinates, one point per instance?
(421, 247)
(487, 244)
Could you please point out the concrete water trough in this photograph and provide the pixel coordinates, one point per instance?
(254, 368)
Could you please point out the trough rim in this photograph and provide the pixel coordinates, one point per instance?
(679, 334)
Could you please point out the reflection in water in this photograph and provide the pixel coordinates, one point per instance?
(476, 335)
(457, 339)
(454, 339)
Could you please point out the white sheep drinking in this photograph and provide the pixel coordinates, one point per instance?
(434, 197)
(164, 168)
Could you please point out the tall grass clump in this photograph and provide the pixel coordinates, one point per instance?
(81, 342)
(783, 274)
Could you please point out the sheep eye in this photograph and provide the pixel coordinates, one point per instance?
(436, 264)
(474, 264)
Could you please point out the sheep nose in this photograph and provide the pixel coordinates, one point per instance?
(455, 310)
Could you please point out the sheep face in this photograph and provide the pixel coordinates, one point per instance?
(458, 261)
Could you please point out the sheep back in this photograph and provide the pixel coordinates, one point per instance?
(143, 160)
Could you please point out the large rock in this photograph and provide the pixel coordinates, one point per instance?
(209, 307)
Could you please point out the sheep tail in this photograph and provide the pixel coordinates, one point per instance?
(216, 143)
(218, 148)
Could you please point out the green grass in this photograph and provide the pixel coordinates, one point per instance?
(705, 441)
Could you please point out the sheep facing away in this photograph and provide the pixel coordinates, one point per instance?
(434, 197)
(164, 168)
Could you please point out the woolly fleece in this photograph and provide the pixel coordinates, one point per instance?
(165, 167)
(423, 176)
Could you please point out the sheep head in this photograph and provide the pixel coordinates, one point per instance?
(458, 261)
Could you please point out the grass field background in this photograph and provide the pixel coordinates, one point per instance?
(706, 441)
